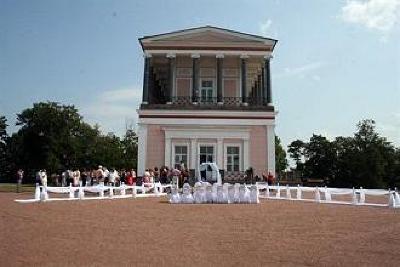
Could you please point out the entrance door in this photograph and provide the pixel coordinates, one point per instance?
(207, 91)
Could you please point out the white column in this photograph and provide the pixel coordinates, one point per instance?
(142, 149)
(167, 151)
(271, 148)
(245, 154)
(220, 153)
(193, 154)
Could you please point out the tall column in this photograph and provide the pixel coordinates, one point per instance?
(271, 148)
(246, 154)
(142, 149)
(262, 85)
(195, 79)
(171, 64)
(167, 152)
(146, 79)
(220, 59)
(267, 79)
(243, 71)
(193, 154)
(220, 153)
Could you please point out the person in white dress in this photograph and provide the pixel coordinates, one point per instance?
(43, 177)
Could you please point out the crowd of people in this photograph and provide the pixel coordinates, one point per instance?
(112, 176)
(89, 177)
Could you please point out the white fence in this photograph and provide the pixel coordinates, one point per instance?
(100, 191)
(318, 194)
(330, 195)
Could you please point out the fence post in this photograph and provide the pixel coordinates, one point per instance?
(327, 194)
(298, 192)
(392, 202)
(111, 188)
(317, 195)
(37, 192)
(362, 196)
(278, 192)
(288, 194)
(44, 196)
(123, 192)
(396, 197)
(354, 200)
(81, 192)
(71, 191)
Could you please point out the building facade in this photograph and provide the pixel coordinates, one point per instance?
(207, 98)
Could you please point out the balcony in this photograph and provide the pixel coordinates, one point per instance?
(228, 103)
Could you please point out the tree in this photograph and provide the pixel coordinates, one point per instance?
(296, 152)
(320, 155)
(3, 147)
(280, 156)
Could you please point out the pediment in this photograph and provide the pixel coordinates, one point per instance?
(206, 36)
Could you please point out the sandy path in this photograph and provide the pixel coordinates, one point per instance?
(151, 232)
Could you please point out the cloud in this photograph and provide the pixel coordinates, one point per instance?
(389, 127)
(381, 15)
(265, 27)
(304, 71)
(113, 109)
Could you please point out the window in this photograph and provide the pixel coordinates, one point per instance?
(181, 155)
(206, 91)
(206, 154)
(233, 158)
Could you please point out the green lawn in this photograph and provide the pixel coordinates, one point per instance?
(12, 187)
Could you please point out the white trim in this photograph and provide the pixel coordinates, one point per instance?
(227, 113)
(198, 133)
(207, 122)
(210, 52)
(142, 148)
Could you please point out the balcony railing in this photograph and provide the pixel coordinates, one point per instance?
(188, 102)
(211, 101)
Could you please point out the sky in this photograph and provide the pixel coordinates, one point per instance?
(336, 62)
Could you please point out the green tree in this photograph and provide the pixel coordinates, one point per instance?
(320, 155)
(296, 152)
(3, 142)
(280, 156)
(130, 149)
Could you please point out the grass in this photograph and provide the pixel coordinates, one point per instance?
(12, 187)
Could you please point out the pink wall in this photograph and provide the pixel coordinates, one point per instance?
(155, 146)
(258, 149)
(230, 87)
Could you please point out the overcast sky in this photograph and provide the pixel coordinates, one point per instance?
(336, 62)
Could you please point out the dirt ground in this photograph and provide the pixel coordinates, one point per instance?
(152, 232)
